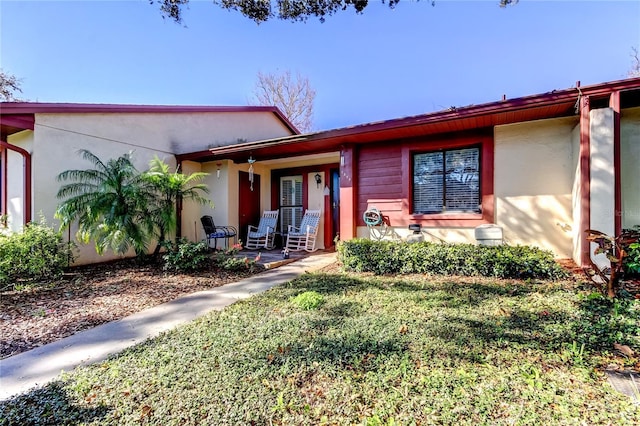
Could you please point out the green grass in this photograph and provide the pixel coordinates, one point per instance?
(377, 351)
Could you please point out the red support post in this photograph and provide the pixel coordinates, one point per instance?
(348, 193)
(27, 178)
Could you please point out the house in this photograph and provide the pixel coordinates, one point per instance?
(543, 168)
(40, 140)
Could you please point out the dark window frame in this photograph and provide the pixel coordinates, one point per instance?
(480, 137)
(445, 174)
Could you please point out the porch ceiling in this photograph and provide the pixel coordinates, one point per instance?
(15, 123)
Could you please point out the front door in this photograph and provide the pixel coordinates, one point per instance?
(291, 203)
(248, 203)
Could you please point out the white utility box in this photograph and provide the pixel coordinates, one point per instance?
(489, 234)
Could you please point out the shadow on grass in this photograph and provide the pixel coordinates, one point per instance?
(352, 351)
(49, 405)
(467, 289)
(460, 334)
(518, 327)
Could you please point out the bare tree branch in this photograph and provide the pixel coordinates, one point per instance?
(635, 67)
(9, 86)
(294, 96)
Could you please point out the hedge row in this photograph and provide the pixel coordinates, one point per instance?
(391, 257)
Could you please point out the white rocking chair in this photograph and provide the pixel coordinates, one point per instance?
(304, 237)
(263, 235)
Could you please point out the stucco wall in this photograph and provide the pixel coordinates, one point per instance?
(576, 192)
(443, 234)
(58, 137)
(630, 166)
(174, 133)
(534, 180)
(15, 179)
(56, 151)
(219, 195)
(192, 211)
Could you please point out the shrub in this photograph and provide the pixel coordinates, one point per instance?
(37, 254)
(633, 260)
(631, 263)
(604, 321)
(308, 300)
(623, 253)
(391, 257)
(185, 255)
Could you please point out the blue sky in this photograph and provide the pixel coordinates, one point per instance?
(379, 65)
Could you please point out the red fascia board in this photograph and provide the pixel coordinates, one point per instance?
(13, 108)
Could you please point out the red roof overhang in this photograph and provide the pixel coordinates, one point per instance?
(10, 124)
(553, 104)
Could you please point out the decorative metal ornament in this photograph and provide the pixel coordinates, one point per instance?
(251, 161)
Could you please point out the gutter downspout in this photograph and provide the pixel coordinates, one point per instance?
(27, 179)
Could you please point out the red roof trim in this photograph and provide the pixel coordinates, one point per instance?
(11, 108)
(503, 106)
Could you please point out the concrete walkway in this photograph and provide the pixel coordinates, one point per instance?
(39, 366)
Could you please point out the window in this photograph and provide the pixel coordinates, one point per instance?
(447, 181)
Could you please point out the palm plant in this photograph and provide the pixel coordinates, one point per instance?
(110, 203)
(171, 188)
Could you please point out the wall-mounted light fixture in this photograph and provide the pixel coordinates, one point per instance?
(218, 165)
(318, 180)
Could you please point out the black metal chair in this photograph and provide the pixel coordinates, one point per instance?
(215, 233)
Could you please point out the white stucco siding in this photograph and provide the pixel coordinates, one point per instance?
(630, 166)
(533, 183)
(443, 234)
(192, 211)
(55, 151)
(219, 193)
(16, 181)
(174, 133)
(58, 137)
(576, 194)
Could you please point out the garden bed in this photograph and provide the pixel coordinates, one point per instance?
(92, 295)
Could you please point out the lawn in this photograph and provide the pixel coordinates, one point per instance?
(363, 350)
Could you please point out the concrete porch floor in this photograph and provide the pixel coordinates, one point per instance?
(274, 258)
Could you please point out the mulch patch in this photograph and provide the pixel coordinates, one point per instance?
(91, 295)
